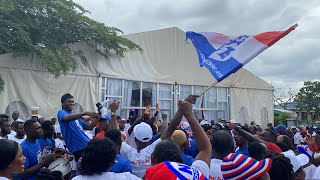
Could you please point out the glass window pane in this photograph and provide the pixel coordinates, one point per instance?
(211, 98)
(102, 91)
(165, 104)
(165, 91)
(222, 94)
(114, 87)
(131, 95)
(103, 82)
(199, 101)
(185, 91)
(149, 94)
(223, 106)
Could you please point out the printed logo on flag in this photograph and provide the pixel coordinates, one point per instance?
(183, 171)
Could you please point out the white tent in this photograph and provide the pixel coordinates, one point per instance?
(167, 59)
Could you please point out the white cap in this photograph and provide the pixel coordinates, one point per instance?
(185, 126)
(233, 121)
(293, 127)
(296, 161)
(204, 122)
(123, 119)
(143, 132)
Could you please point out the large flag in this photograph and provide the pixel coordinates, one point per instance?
(224, 55)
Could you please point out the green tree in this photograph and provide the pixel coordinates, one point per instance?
(47, 28)
(308, 97)
(281, 119)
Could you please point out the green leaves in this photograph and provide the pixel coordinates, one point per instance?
(308, 97)
(46, 28)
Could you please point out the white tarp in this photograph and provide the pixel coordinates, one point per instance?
(167, 58)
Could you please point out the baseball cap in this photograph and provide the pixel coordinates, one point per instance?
(239, 166)
(204, 122)
(105, 117)
(293, 127)
(143, 132)
(280, 127)
(179, 137)
(297, 161)
(185, 126)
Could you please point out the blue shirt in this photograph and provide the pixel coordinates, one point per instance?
(121, 165)
(33, 154)
(72, 132)
(193, 149)
(46, 142)
(187, 160)
(244, 151)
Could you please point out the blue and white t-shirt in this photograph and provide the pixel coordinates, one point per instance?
(32, 152)
(72, 132)
(122, 164)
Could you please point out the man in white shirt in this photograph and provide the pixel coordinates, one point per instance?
(140, 157)
(297, 136)
(222, 144)
(20, 136)
(166, 159)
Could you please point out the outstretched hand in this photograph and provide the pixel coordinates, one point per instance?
(192, 99)
(185, 107)
(114, 106)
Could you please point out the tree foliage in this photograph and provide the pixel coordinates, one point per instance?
(308, 97)
(281, 119)
(47, 28)
(284, 98)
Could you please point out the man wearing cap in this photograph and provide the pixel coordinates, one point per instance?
(180, 138)
(104, 125)
(166, 159)
(297, 137)
(140, 157)
(297, 162)
(72, 126)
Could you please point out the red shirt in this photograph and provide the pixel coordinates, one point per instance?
(273, 147)
(100, 134)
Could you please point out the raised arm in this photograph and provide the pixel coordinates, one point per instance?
(114, 107)
(199, 135)
(248, 136)
(72, 117)
(177, 119)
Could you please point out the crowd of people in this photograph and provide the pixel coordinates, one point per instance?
(101, 145)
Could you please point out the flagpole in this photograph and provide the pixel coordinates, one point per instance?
(209, 87)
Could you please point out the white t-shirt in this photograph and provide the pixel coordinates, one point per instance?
(13, 133)
(139, 161)
(215, 169)
(297, 138)
(316, 175)
(109, 176)
(202, 167)
(57, 128)
(13, 138)
(4, 178)
(131, 140)
(310, 171)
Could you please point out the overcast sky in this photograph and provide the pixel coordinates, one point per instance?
(292, 60)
